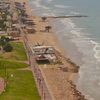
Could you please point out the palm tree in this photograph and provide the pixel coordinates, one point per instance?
(47, 28)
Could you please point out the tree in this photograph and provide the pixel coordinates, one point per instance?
(8, 47)
(3, 41)
(7, 39)
(2, 25)
(47, 28)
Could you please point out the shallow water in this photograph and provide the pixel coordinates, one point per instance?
(79, 37)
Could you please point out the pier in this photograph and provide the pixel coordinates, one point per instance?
(68, 16)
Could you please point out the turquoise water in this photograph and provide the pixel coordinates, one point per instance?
(80, 38)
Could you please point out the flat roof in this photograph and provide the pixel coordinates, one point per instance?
(39, 47)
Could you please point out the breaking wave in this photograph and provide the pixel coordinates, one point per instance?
(61, 6)
(38, 4)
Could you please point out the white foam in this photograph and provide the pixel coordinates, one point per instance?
(69, 22)
(48, 14)
(61, 6)
(86, 45)
(74, 13)
(72, 26)
(97, 55)
(96, 50)
(78, 34)
(82, 41)
(99, 83)
(37, 3)
(49, 0)
(89, 97)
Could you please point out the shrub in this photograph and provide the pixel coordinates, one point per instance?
(8, 47)
(3, 40)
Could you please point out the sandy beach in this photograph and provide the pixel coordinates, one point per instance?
(59, 82)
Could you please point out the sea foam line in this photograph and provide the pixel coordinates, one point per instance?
(37, 3)
(61, 6)
(96, 50)
(81, 37)
(49, 1)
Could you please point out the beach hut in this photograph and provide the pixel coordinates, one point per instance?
(30, 29)
(29, 22)
(47, 28)
(44, 19)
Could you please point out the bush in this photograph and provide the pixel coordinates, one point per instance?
(3, 40)
(8, 47)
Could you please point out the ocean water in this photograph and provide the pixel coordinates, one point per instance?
(80, 38)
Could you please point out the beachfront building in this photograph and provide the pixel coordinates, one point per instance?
(4, 5)
(44, 54)
(14, 32)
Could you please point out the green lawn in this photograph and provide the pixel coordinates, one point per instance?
(12, 64)
(18, 52)
(20, 87)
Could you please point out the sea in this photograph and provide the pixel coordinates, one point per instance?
(79, 37)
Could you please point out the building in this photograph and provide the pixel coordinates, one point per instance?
(44, 53)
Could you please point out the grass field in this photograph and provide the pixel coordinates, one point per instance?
(20, 87)
(12, 64)
(18, 52)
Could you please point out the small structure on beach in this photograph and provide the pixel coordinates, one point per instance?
(44, 18)
(47, 28)
(30, 29)
(44, 53)
(29, 22)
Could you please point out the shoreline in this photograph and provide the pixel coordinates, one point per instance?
(58, 89)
